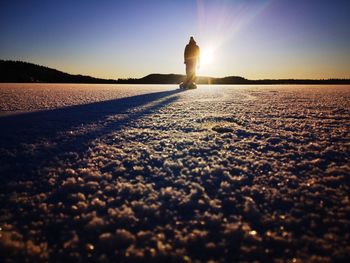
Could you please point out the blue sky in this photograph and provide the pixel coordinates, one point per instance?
(118, 39)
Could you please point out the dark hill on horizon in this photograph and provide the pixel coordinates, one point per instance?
(24, 72)
(177, 78)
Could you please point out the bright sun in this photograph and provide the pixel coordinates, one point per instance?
(207, 56)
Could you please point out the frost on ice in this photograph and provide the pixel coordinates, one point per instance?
(218, 173)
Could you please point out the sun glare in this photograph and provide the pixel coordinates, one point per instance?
(207, 56)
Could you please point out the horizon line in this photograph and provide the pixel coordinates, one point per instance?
(178, 74)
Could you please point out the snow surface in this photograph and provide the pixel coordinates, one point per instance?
(150, 173)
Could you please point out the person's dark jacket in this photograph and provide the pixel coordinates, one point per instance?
(191, 52)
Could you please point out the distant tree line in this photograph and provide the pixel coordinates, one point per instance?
(18, 71)
(176, 78)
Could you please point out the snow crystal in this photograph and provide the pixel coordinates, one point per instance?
(152, 174)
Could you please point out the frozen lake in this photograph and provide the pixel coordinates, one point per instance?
(29, 97)
(148, 172)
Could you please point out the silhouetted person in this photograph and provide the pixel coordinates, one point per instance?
(192, 55)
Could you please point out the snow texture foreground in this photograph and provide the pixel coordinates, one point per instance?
(223, 173)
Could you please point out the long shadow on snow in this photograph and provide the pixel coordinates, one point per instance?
(31, 141)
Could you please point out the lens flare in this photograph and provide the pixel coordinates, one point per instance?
(218, 22)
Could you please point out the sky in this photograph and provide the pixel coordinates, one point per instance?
(255, 39)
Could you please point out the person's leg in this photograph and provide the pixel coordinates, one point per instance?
(188, 72)
(191, 72)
